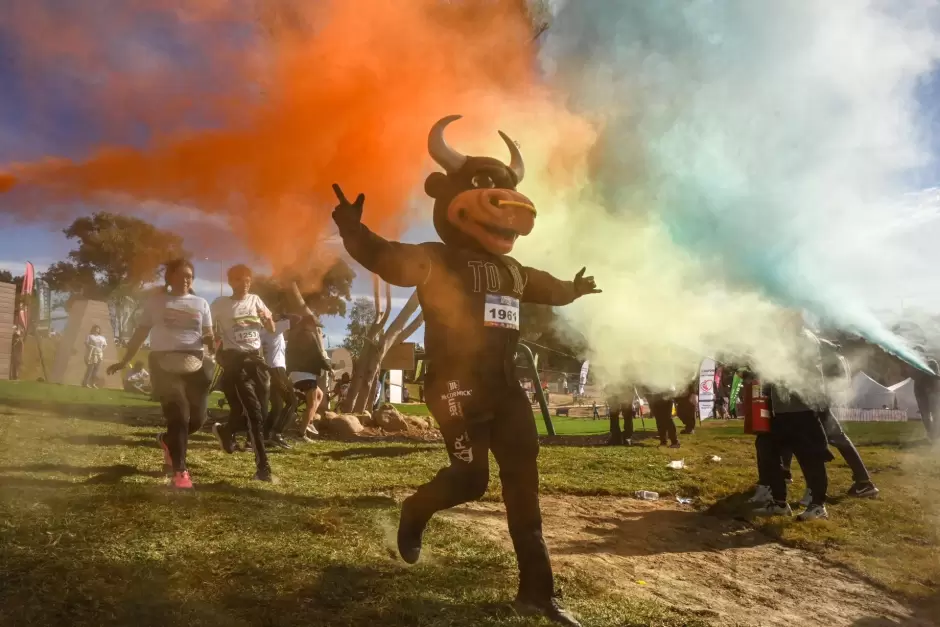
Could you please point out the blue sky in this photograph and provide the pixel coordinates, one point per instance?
(58, 124)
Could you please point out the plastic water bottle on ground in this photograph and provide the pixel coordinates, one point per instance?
(646, 495)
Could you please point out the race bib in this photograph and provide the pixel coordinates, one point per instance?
(501, 312)
(246, 336)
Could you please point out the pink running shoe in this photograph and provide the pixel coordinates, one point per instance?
(181, 481)
(167, 460)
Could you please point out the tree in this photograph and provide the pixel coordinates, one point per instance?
(326, 297)
(6, 276)
(116, 257)
(377, 341)
(361, 317)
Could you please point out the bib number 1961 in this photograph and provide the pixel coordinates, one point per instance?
(501, 312)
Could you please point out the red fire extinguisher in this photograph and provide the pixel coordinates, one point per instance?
(760, 409)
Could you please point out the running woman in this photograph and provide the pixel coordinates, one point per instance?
(180, 326)
(239, 319)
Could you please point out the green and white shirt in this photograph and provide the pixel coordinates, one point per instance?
(239, 322)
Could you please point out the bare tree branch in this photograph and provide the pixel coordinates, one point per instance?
(413, 326)
(395, 328)
(388, 305)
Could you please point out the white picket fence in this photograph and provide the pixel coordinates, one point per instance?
(848, 414)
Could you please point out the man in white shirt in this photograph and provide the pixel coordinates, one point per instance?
(283, 398)
(239, 320)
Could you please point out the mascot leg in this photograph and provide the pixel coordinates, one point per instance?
(515, 445)
(615, 436)
(464, 480)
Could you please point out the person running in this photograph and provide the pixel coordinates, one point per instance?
(179, 324)
(239, 319)
(283, 398)
(305, 362)
(95, 344)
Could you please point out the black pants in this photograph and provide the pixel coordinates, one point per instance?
(184, 400)
(662, 413)
(927, 394)
(617, 409)
(283, 403)
(769, 452)
(836, 438)
(802, 433)
(508, 430)
(685, 412)
(245, 382)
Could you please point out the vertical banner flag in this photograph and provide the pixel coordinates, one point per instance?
(27, 290)
(583, 379)
(706, 389)
(736, 384)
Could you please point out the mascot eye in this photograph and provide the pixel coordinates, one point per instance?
(482, 181)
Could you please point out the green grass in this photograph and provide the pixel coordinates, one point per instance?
(89, 536)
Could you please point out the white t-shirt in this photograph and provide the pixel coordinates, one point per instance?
(239, 321)
(274, 346)
(96, 345)
(177, 322)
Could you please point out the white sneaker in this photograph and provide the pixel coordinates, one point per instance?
(306, 439)
(762, 495)
(807, 498)
(311, 431)
(774, 509)
(814, 512)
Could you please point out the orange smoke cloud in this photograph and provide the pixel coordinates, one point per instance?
(349, 101)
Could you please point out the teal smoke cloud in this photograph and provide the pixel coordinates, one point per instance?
(769, 139)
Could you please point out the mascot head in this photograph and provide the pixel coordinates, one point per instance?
(476, 204)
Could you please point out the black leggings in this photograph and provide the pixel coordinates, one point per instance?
(662, 412)
(616, 408)
(508, 430)
(802, 433)
(245, 382)
(184, 399)
(283, 403)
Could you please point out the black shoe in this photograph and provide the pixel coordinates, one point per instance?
(627, 442)
(675, 445)
(279, 441)
(864, 490)
(614, 440)
(550, 609)
(266, 475)
(687, 431)
(410, 529)
(226, 439)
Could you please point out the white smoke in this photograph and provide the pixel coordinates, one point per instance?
(748, 156)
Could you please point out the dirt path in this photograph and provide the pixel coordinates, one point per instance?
(723, 569)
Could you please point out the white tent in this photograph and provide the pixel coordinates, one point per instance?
(904, 398)
(869, 394)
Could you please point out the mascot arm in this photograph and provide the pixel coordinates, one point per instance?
(541, 288)
(404, 265)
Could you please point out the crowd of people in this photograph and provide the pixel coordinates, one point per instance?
(265, 361)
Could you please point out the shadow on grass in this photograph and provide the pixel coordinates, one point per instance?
(596, 439)
(115, 414)
(346, 595)
(924, 613)
(101, 474)
(377, 452)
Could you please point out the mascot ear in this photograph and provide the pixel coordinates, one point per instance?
(436, 185)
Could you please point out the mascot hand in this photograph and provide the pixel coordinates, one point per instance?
(584, 284)
(347, 215)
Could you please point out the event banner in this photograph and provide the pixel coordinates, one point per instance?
(736, 384)
(583, 379)
(706, 389)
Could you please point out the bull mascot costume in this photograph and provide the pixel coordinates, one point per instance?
(470, 291)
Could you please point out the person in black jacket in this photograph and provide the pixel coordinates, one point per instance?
(620, 402)
(470, 291)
